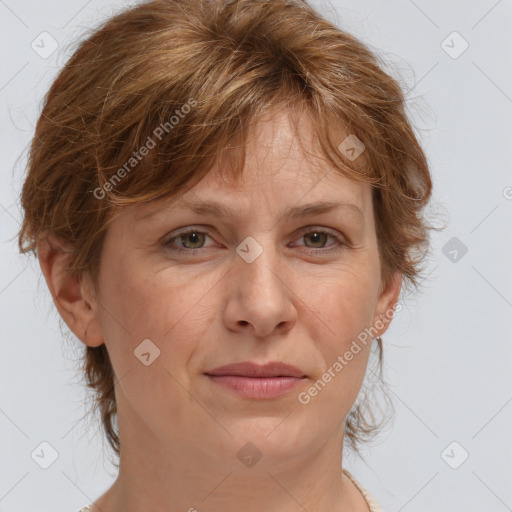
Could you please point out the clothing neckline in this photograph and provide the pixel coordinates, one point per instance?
(370, 500)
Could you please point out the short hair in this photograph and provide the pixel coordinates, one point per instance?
(192, 77)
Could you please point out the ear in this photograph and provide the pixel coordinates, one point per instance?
(73, 297)
(386, 303)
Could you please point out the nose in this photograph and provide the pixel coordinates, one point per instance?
(260, 298)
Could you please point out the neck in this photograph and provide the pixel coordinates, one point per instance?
(171, 482)
(190, 476)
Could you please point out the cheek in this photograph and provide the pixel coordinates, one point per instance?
(344, 308)
(345, 302)
(170, 310)
(173, 312)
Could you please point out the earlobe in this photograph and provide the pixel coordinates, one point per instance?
(74, 302)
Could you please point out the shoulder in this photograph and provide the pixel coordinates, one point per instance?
(372, 503)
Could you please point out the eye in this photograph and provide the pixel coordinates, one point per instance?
(193, 241)
(190, 241)
(319, 237)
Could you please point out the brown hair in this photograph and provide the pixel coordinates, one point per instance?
(204, 72)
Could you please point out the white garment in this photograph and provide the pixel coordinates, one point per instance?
(372, 504)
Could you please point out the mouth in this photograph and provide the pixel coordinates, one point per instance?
(254, 381)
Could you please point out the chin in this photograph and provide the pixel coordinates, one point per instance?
(277, 438)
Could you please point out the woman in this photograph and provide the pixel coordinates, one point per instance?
(226, 200)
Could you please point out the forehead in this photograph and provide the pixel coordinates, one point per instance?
(283, 140)
(331, 194)
(282, 167)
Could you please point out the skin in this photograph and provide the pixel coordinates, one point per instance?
(180, 432)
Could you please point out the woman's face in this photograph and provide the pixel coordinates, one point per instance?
(271, 281)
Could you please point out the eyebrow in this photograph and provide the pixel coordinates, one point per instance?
(218, 210)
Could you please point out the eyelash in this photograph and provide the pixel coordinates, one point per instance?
(338, 246)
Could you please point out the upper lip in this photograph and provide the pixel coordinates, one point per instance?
(250, 369)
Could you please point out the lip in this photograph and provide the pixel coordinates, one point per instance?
(250, 369)
(254, 381)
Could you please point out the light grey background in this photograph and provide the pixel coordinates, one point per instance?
(448, 353)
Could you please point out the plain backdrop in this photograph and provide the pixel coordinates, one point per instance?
(448, 353)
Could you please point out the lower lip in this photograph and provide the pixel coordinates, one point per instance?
(257, 387)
